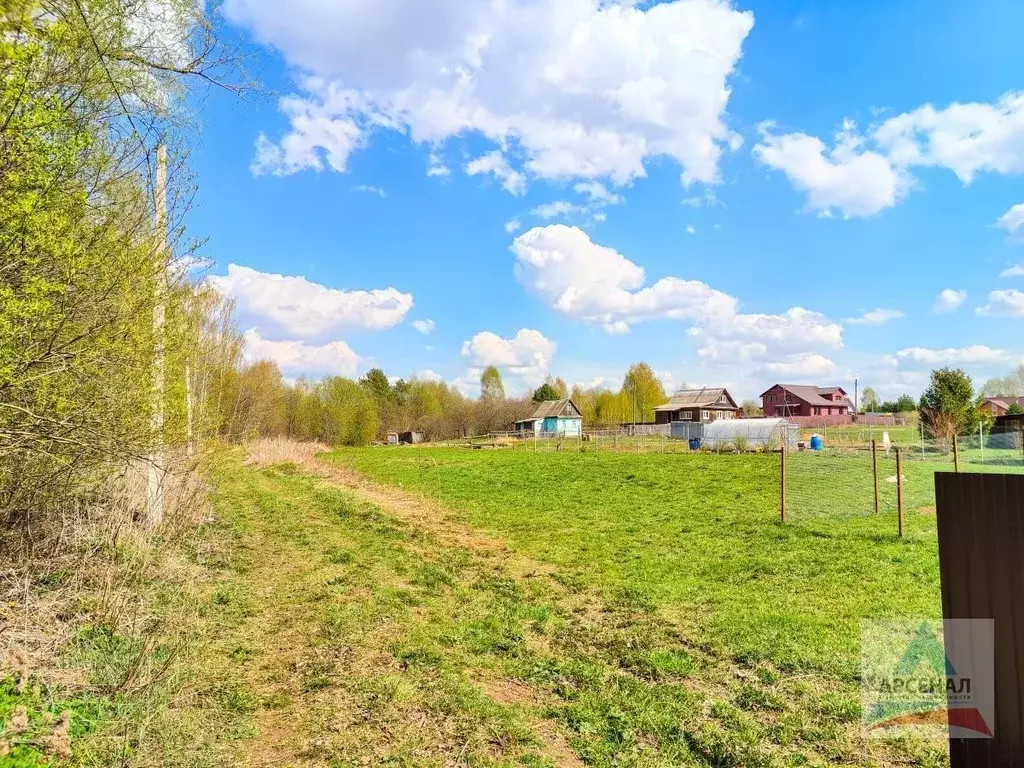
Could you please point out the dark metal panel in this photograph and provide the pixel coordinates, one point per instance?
(981, 563)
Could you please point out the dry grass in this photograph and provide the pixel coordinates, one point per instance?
(95, 566)
(268, 451)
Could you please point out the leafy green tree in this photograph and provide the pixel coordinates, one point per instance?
(869, 400)
(947, 406)
(642, 392)
(1015, 409)
(544, 392)
(491, 385)
(751, 409)
(905, 404)
(561, 388)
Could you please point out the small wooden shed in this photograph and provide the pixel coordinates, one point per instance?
(554, 417)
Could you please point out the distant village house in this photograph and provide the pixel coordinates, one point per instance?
(554, 417)
(999, 406)
(785, 400)
(697, 405)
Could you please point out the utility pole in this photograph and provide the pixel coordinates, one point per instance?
(155, 473)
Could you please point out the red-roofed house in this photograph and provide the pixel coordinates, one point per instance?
(802, 400)
(998, 406)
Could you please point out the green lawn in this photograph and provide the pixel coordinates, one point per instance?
(699, 536)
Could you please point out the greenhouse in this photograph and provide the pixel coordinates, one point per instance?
(740, 434)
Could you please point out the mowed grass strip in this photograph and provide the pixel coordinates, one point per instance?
(698, 536)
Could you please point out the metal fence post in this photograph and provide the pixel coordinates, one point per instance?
(922, 439)
(874, 470)
(782, 453)
(956, 454)
(899, 491)
(981, 440)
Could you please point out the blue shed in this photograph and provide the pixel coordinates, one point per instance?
(554, 417)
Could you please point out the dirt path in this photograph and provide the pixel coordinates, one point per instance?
(317, 625)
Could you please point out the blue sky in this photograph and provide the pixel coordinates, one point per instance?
(732, 191)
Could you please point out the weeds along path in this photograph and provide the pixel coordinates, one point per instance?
(357, 624)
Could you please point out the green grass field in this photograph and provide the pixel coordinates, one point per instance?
(510, 608)
(699, 536)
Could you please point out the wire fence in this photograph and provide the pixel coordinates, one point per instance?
(891, 475)
(835, 474)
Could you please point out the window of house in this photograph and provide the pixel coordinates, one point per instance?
(686, 416)
(769, 398)
(817, 411)
(705, 415)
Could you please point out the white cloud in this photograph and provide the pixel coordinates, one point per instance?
(975, 354)
(428, 375)
(804, 367)
(528, 354)
(965, 138)
(585, 89)
(563, 267)
(865, 174)
(949, 300)
(556, 209)
(690, 229)
(876, 317)
(308, 309)
(296, 357)
(847, 178)
(1013, 220)
(513, 225)
(1006, 303)
(316, 135)
(436, 166)
(598, 193)
(425, 327)
(494, 163)
(1015, 271)
(708, 198)
(370, 190)
(577, 277)
(667, 379)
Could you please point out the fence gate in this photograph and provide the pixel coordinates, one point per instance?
(981, 560)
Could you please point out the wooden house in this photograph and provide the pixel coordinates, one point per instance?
(787, 400)
(698, 405)
(553, 417)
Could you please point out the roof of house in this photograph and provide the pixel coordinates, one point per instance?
(1004, 401)
(830, 390)
(554, 408)
(810, 395)
(697, 398)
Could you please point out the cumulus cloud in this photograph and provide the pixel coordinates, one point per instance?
(296, 357)
(585, 89)
(876, 317)
(513, 225)
(308, 309)
(976, 354)
(428, 375)
(528, 354)
(578, 277)
(847, 178)
(1017, 270)
(865, 174)
(1008, 303)
(495, 164)
(691, 230)
(949, 300)
(964, 138)
(425, 327)
(804, 367)
(1013, 220)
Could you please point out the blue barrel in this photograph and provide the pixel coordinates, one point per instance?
(816, 443)
(694, 443)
